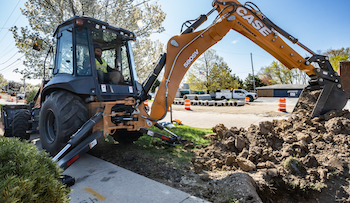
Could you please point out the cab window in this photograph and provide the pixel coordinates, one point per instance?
(51, 57)
(65, 53)
(82, 52)
(114, 56)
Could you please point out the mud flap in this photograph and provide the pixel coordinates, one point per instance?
(331, 98)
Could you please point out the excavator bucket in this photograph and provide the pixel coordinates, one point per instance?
(327, 99)
(331, 98)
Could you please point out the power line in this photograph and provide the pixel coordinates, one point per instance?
(232, 53)
(9, 59)
(15, 65)
(9, 51)
(12, 63)
(7, 67)
(6, 48)
(244, 54)
(11, 26)
(11, 14)
(264, 56)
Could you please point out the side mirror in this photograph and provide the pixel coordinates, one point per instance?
(37, 44)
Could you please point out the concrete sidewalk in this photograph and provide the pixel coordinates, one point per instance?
(101, 181)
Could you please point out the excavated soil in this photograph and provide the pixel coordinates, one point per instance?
(300, 159)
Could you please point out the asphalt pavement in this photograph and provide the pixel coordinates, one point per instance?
(210, 119)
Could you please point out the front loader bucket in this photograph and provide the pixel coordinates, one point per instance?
(330, 98)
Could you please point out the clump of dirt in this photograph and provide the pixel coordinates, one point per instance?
(299, 159)
(307, 100)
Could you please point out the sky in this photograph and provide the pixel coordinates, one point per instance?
(320, 25)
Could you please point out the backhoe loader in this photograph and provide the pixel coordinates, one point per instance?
(76, 108)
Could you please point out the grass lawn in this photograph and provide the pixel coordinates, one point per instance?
(151, 157)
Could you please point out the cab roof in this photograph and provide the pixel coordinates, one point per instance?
(92, 23)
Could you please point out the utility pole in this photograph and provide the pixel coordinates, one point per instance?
(24, 81)
(251, 59)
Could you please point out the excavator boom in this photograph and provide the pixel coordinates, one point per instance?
(247, 19)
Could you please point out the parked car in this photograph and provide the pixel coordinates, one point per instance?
(236, 94)
(21, 95)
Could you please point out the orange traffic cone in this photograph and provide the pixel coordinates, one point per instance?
(282, 104)
(247, 100)
(187, 104)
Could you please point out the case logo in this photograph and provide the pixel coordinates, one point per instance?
(257, 24)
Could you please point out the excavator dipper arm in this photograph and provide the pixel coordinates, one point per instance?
(185, 48)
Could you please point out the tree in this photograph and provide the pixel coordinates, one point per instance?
(221, 78)
(145, 56)
(139, 16)
(248, 82)
(3, 81)
(277, 73)
(14, 85)
(210, 73)
(300, 77)
(338, 55)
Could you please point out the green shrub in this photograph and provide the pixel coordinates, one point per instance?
(31, 96)
(27, 175)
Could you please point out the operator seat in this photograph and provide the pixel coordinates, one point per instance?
(116, 77)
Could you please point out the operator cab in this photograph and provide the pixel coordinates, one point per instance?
(75, 65)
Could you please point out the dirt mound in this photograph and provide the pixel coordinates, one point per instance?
(302, 157)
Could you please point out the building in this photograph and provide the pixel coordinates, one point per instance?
(344, 72)
(286, 90)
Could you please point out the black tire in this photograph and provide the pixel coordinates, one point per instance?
(20, 124)
(126, 137)
(250, 98)
(61, 115)
(8, 133)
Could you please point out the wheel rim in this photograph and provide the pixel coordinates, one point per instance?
(50, 127)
